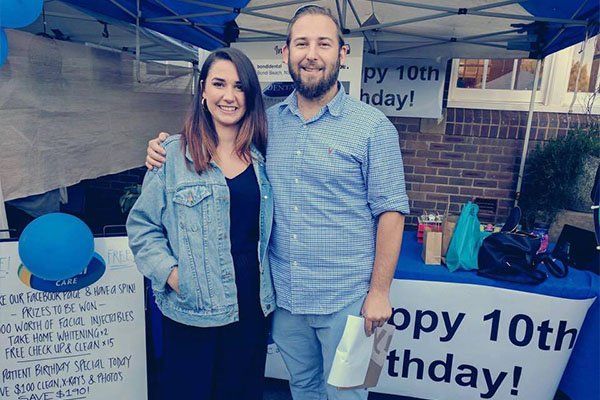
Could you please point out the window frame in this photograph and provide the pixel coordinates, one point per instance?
(553, 95)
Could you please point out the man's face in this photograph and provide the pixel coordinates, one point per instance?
(314, 55)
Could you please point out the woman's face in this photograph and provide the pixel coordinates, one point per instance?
(225, 99)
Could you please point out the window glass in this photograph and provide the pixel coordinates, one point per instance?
(500, 74)
(525, 73)
(470, 73)
(588, 66)
(503, 74)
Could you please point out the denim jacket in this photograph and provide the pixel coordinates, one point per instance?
(182, 219)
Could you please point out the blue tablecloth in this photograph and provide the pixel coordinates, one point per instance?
(580, 380)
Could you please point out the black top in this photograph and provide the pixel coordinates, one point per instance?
(244, 212)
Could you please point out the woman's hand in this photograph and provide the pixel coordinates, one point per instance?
(173, 279)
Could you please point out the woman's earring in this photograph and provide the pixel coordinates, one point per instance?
(203, 102)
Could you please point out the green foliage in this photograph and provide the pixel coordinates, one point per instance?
(127, 200)
(551, 172)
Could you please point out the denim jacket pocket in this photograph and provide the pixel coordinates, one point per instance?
(194, 209)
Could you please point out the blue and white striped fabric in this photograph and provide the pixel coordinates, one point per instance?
(332, 176)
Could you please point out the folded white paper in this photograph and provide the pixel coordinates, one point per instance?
(352, 355)
(359, 359)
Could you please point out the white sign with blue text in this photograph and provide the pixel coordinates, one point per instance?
(403, 87)
(87, 343)
(471, 342)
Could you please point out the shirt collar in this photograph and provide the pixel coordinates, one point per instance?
(334, 106)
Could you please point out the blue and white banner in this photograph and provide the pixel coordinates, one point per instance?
(472, 342)
(404, 87)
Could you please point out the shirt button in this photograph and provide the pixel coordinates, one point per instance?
(266, 197)
(295, 208)
(294, 236)
(296, 180)
(294, 263)
(298, 152)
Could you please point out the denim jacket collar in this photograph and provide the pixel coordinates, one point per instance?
(256, 154)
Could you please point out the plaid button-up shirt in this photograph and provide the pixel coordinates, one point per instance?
(332, 176)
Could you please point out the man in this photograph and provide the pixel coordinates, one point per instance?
(338, 188)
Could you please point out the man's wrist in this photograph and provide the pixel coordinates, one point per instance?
(379, 291)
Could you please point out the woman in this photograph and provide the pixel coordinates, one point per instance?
(199, 232)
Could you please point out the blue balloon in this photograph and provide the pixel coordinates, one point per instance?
(19, 13)
(56, 246)
(3, 47)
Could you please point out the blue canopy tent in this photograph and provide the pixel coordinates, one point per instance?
(490, 29)
(209, 26)
(446, 28)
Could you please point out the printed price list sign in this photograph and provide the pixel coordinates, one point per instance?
(83, 344)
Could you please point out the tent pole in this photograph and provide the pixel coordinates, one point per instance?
(536, 78)
(138, 14)
(3, 219)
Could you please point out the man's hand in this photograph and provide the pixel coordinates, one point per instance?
(376, 310)
(155, 153)
(173, 279)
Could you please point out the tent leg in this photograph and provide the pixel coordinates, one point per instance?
(137, 41)
(3, 219)
(536, 79)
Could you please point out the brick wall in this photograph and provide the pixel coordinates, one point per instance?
(471, 154)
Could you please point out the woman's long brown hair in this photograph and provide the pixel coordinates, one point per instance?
(199, 134)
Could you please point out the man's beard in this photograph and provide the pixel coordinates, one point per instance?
(317, 90)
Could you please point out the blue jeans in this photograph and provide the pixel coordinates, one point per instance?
(307, 344)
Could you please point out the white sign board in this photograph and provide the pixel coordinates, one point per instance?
(84, 344)
(402, 87)
(471, 342)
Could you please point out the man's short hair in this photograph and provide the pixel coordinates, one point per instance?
(313, 9)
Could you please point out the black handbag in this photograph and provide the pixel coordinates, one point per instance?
(511, 255)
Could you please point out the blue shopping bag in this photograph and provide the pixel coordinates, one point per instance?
(466, 240)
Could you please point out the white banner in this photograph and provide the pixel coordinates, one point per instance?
(84, 344)
(470, 342)
(274, 76)
(403, 87)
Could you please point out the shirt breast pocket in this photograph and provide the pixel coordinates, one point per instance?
(333, 163)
